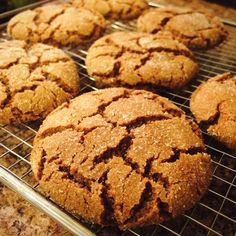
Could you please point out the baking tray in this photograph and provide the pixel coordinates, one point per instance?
(215, 214)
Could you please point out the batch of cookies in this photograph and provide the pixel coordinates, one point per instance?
(116, 156)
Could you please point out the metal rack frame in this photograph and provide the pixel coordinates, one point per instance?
(217, 208)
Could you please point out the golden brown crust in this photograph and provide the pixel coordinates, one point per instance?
(114, 157)
(115, 9)
(194, 29)
(57, 25)
(214, 104)
(130, 59)
(34, 79)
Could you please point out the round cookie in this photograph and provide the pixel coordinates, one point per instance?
(91, 153)
(194, 29)
(56, 24)
(130, 59)
(115, 9)
(34, 79)
(213, 103)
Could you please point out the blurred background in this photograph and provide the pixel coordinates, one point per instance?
(12, 4)
(225, 9)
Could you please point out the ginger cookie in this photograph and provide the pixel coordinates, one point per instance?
(115, 9)
(57, 25)
(194, 29)
(113, 157)
(131, 59)
(34, 79)
(213, 103)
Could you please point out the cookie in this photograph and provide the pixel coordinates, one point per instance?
(34, 79)
(57, 25)
(213, 103)
(131, 59)
(194, 29)
(115, 9)
(113, 157)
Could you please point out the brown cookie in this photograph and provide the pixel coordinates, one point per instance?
(214, 104)
(115, 9)
(56, 24)
(194, 29)
(34, 79)
(113, 156)
(130, 59)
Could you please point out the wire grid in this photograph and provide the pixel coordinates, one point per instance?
(215, 213)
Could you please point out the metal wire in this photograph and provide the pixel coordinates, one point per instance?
(215, 213)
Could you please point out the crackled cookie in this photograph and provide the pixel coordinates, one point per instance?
(92, 152)
(34, 79)
(194, 29)
(214, 104)
(56, 24)
(130, 59)
(115, 9)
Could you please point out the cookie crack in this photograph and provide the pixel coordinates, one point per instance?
(4, 103)
(40, 64)
(143, 61)
(59, 82)
(108, 216)
(158, 177)
(51, 131)
(213, 120)
(148, 166)
(206, 28)
(162, 24)
(125, 49)
(103, 106)
(39, 11)
(18, 113)
(49, 38)
(225, 78)
(194, 127)
(119, 150)
(145, 197)
(112, 54)
(177, 152)
(9, 29)
(163, 207)
(77, 179)
(173, 112)
(176, 52)
(31, 87)
(41, 164)
(143, 120)
(164, 21)
(16, 62)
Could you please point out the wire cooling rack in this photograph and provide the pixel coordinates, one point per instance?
(215, 214)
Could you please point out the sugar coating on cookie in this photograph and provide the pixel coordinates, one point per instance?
(130, 59)
(115, 9)
(194, 29)
(113, 157)
(57, 25)
(34, 79)
(214, 104)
